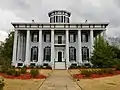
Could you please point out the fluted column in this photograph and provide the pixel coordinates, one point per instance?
(79, 47)
(52, 48)
(14, 58)
(67, 49)
(40, 48)
(91, 41)
(27, 58)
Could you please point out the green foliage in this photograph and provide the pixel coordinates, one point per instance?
(103, 54)
(87, 73)
(34, 72)
(13, 72)
(23, 70)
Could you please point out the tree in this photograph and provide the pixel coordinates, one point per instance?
(6, 49)
(103, 54)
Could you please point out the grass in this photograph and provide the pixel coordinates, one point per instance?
(33, 84)
(105, 83)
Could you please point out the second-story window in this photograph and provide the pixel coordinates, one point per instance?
(84, 37)
(35, 37)
(47, 38)
(72, 38)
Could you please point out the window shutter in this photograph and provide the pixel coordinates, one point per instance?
(37, 53)
(86, 37)
(31, 54)
(75, 54)
(44, 54)
(37, 37)
(32, 36)
(44, 37)
(74, 38)
(82, 37)
(82, 54)
(88, 54)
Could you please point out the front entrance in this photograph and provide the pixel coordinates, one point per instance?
(59, 56)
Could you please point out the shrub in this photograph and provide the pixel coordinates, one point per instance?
(73, 66)
(48, 67)
(2, 84)
(4, 69)
(23, 70)
(87, 73)
(10, 71)
(13, 72)
(34, 72)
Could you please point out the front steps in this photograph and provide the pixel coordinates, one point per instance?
(60, 65)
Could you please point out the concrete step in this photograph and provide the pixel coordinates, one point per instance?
(60, 65)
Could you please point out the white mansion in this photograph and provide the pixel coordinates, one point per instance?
(58, 43)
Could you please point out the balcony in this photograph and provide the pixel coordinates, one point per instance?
(59, 42)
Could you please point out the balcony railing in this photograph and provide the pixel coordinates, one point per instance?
(60, 42)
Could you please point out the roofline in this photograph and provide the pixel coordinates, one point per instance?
(33, 23)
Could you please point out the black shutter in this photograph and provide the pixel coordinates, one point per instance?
(44, 37)
(32, 36)
(74, 38)
(50, 37)
(69, 54)
(86, 37)
(75, 54)
(37, 53)
(31, 53)
(82, 37)
(44, 53)
(88, 54)
(37, 37)
(82, 54)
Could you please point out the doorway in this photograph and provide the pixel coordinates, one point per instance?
(59, 56)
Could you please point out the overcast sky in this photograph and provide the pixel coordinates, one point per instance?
(91, 10)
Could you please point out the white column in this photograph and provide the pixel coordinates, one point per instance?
(91, 41)
(104, 34)
(67, 48)
(79, 47)
(40, 48)
(52, 48)
(14, 58)
(27, 58)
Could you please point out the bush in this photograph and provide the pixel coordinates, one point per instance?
(34, 72)
(23, 70)
(13, 72)
(4, 69)
(87, 73)
(73, 66)
(2, 84)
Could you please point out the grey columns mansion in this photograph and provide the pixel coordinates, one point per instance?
(58, 43)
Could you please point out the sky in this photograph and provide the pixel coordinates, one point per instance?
(81, 10)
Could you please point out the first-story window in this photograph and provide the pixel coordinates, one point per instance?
(47, 54)
(72, 54)
(34, 54)
(85, 54)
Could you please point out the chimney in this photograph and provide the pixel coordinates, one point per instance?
(33, 21)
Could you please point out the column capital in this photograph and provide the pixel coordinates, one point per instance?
(52, 29)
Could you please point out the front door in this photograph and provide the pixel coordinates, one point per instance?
(59, 56)
(59, 39)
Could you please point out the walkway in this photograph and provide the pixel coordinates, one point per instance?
(60, 80)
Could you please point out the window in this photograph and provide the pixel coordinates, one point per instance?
(47, 54)
(72, 54)
(47, 37)
(35, 37)
(84, 37)
(56, 18)
(72, 38)
(34, 54)
(85, 54)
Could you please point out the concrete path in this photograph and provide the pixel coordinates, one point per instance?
(60, 80)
